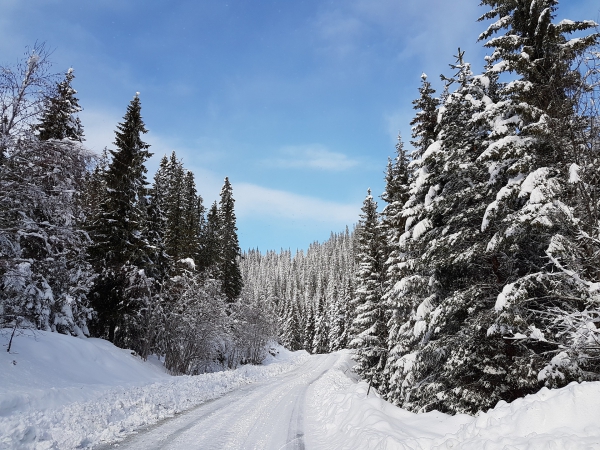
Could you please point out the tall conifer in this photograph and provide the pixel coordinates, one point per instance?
(229, 270)
(120, 249)
(58, 119)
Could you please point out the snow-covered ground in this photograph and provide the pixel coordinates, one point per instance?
(63, 392)
(566, 418)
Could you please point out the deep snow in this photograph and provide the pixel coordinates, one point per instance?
(64, 392)
(557, 419)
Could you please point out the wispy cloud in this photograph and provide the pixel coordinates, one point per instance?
(314, 156)
(260, 202)
(398, 123)
(99, 127)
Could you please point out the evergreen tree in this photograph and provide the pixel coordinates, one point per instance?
(310, 318)
(529, 164)
(156, 225)
(58, 119)
(393, 225)
(44, 278)
(210, 244)
(193, 210)
(338, 331)
(120, 250)
(229, 270)
(443, 291)
(425, 120)
(290, 334)
(174, 209)
(320, 339)
(369, 328)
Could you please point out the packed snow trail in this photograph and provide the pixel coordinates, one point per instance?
(266, 415)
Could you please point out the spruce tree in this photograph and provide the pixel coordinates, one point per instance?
(393, 224)
(44, 278)
(425, 120)
(320, 339)
(209, 255)
(447, 278)
(120, 250)
(229, 270)
(309, 328)
(193, 211)
(58, 119)
(174, 209)
(369, 330)
(530, 171)
(291, 337)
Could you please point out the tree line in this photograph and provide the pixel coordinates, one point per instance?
(309, 291)
(89, 247)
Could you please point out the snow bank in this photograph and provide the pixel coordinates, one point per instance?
(341, 412)
(565, 418)
(63, 392)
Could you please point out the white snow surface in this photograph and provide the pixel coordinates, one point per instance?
(66, 392)
(63, 392)
(555, 419)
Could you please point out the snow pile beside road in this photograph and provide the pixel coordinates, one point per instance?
(341, 412)
(565, 418)
(63, 392)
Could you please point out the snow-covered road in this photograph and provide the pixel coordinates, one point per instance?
(61, 392)
(266, 415)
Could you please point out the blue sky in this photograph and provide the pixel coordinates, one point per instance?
(298, 102)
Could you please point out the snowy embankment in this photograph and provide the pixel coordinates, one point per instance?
(339, 411)
(63, 392)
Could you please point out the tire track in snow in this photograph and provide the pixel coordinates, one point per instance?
(266, 415)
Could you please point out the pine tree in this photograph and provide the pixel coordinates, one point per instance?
(58, 119)
(229, 270)
(120, 250)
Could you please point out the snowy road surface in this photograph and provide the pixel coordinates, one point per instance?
(61, 392)
(266, 415)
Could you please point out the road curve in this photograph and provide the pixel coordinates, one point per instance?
(265, 415)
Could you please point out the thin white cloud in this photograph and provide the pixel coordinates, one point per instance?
(350, 28)
(259, 202)
(398, 123)
(314, 156)
(99, 127)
